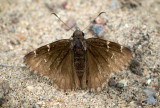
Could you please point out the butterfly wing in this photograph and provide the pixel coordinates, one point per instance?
(103, 58)
(55, 61)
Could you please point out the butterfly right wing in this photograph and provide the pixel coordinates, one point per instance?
(103, 58)
(54, 61)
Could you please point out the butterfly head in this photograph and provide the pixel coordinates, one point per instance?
(78, 34)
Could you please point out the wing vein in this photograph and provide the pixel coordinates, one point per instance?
(97, 59)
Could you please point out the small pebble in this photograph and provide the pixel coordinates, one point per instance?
(100, 21)
(135, 67)
(65, 5)
(130, 3)
(150, 100)
(113, 4)
(30, 88)
(140, 101)
(122, 83)
(50, 7)
(97, 30)
(148, 81)
(15, 20)
(2, 102)
(72, 95)
(112, 82)
(71, 22)
(149, 91)
(21, 37)
(4, 88)
(4, 91)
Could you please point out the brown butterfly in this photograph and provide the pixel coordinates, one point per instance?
(78, 63)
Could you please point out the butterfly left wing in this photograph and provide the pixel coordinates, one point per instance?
(54, 61)
(103, 58)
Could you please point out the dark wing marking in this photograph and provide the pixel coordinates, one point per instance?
(103, 58)
(53, 60)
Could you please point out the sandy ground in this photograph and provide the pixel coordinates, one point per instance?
(28, 24)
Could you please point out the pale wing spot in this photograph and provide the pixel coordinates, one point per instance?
(112, 56)
(108, 46)
(108, 42)
(45, 60)
(121, 48)
(35, 53)
(37, 64)
(99, 70)
(104, 75)
(107, 50)
(115, 60)
(48, 47)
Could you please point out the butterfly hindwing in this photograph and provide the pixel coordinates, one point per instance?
(65, 79)
(103, 58)
(95, 79)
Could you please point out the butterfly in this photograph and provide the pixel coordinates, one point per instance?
(78, 63)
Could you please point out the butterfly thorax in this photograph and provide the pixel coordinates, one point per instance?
(79, 49)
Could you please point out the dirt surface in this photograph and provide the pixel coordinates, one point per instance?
(28, 24)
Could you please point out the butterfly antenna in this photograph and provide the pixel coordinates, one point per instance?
(93, 20)
(61, 20)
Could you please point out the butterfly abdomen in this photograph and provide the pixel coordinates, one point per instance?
(79, 59)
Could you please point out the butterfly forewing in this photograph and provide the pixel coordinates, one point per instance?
(103, 58)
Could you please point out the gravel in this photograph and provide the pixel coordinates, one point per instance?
(28, 24)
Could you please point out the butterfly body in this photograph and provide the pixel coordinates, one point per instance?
(79, 55)
(78, 63)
